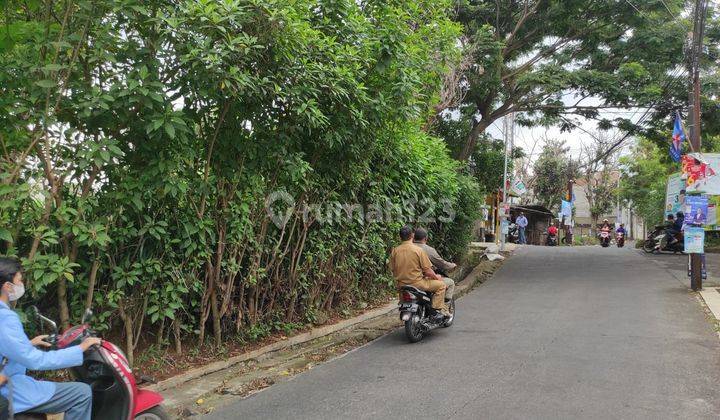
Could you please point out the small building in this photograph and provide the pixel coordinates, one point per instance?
(539, 219)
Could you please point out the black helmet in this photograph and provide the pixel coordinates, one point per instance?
(680, 214)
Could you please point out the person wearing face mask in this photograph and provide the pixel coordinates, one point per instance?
(30, 395)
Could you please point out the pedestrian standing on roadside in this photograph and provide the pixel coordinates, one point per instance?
(522, 223)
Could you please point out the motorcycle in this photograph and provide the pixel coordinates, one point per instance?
(513, 234)
(552, 240)
(105, 368)
(418, 314)
(605, 238)
(657, 237)
(620, 239)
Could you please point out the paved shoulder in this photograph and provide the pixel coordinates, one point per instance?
(579, 332)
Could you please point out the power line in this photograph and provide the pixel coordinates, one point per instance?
(668, 9)
(642, 119)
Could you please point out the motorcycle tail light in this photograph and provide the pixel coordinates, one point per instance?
(407, 297)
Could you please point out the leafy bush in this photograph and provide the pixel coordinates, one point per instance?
(142, 140)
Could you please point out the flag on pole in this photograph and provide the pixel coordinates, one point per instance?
(677, 138)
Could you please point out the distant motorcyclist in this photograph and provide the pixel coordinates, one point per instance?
(552, 233)
(553, 230)
(605, 226)
(621, 229)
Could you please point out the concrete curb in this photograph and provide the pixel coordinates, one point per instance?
(461, 288)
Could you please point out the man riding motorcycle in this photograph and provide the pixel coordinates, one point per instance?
(72, 398)
(439, 264)
(673, 226)
(411, 266)
(621, 229)
(606, 225)
(552, 232)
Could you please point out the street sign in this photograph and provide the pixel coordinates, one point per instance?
(518, 188)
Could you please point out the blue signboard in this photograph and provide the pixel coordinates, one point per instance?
(696, 210)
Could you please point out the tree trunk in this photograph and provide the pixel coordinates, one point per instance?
(62, 302)
(91, 283)
(478, 129)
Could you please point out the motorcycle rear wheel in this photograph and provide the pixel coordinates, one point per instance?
(413, 330)
(155, 413)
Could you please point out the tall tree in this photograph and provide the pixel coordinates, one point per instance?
(600, 173)
(552, 171)
(552, 59)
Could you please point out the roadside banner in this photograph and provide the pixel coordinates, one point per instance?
(694, 240)
(700, 172)
(712, 222)
(696, 210)
(675, 186)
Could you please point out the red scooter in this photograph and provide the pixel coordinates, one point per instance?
(105, 368)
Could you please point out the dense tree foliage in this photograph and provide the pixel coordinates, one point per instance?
(549, 60)
(140, 141)
(644, 179)
(551, 172)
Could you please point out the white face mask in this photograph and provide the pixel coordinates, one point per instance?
(17, 292)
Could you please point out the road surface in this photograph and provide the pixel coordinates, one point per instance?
(558, 333)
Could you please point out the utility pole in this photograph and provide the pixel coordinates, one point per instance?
(508, 126)
(566, 226)
(695, 121)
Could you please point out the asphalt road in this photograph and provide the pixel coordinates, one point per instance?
(558, 333)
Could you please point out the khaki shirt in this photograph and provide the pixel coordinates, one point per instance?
(407, 262)
(435, 258)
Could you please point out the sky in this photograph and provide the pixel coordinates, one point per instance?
(531, 139)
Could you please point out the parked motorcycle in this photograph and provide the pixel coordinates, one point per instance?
(418, 314)
(513, 235)
(656, 237)
(620, 239)
(605, 238)
(105, 368)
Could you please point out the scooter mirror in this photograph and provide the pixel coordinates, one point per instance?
(36, 314)
(87, 316)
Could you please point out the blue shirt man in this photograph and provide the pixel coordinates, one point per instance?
(522, 223)
(72, 398)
